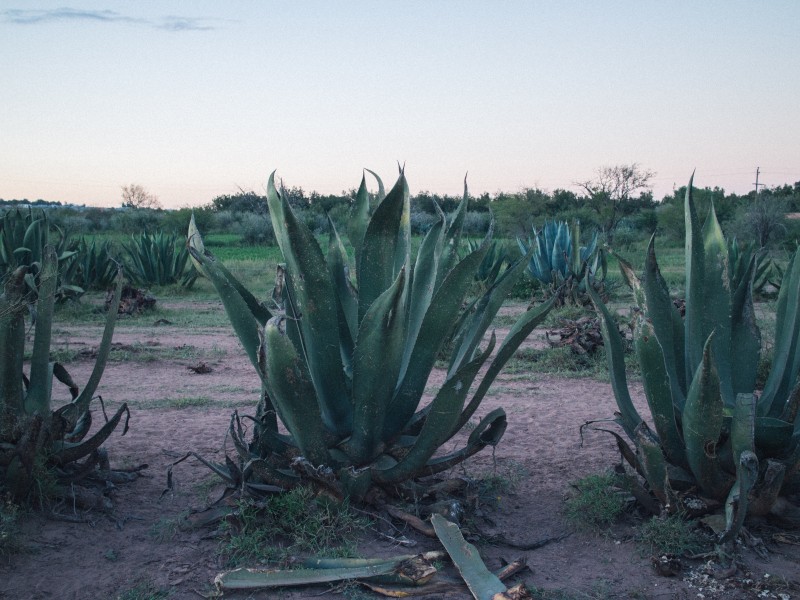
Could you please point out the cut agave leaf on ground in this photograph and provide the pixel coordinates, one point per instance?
(404, 570)
(483, 584)
(445, 585)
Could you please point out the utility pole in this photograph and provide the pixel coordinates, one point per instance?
(758, 170)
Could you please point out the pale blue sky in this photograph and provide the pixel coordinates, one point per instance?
(196, 99)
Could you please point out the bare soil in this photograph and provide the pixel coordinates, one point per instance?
(175, 410)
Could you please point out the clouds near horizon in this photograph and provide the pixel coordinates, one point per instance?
(20, 16)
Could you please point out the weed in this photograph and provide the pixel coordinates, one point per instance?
(110, 555)
(503, 479)
(145, 590)
(672, 534)
(166, 528)
(206, 486)
(10, 542)
(289, 523)
(558, 361)
(185, 402)
(596, 502)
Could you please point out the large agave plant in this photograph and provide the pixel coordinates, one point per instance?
(23, 238)
(37, 441)
(344, 364)
(715, 436)
(561, 264)
(158, 259)
(93, 265)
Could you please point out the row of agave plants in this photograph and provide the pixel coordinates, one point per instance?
(344, 362)
(83, 265)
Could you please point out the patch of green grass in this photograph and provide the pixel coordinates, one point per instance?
(502, 480)
(595, 503)
(145, 590)
(558, 361)
(290, 523)
(600, 590)
(672, 534)
(166, 528)
(10, 537)
(184, 402)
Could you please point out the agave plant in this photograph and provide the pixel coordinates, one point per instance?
(492, 265)
(715, 436)
(344, 364)
(92, 266)
(23, 237)
(158, 259)
(561, 265)
(36, 440)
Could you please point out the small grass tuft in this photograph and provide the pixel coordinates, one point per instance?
(145, 590)
(166, 528)
(501, 481)
(290, 523)
(596, 502)
(672, 534)
(10, 538)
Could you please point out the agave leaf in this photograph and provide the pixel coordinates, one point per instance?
(378, 352)
(381, 189)
(384, 241)
(745, 335)
(37, 399)
(667, 324)
(435, 324)
(315, 304)
(293, 394)
(347, 309)
(484, 313)
(695, 284)
(335, 563)
(195, 240)
(452, 238)
(743, 426)
(658, 391)
(786, 357)
(702, 427)
(482, 583)
(615, 354)
(66, 453)
(652, 461)
(717, 303)
(423, 283)
(249, 579)
(12, 351)
(85, 397)
(442, 417)
(736, 503)
(487, 432)
(516, 335)
(575, 249)
(359, 218)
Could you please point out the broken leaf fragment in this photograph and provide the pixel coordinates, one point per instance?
(482, 583)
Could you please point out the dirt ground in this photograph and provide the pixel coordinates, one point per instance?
(175, 410)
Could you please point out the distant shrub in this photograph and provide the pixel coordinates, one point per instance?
(421, 222)
(255, 229)
(476, 223)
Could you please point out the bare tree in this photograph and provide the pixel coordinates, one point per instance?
(613, 187)
(135, 196)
